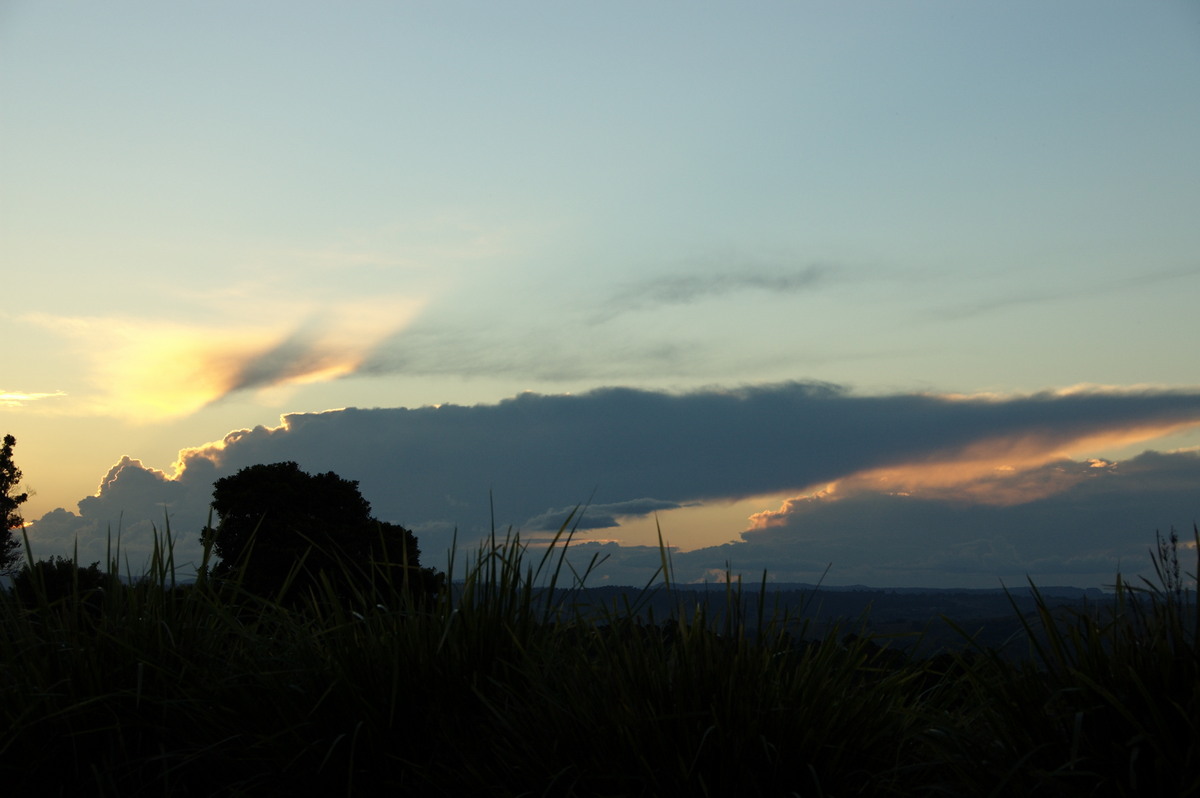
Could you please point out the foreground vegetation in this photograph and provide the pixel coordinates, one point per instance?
(505, 684)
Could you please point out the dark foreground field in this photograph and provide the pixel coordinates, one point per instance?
(511, 683)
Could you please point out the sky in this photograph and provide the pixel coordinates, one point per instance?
(898, 294)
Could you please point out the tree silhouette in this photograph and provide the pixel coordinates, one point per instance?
(284, 531)
(10, 519)
(59, 579)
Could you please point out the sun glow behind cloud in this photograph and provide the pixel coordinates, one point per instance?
(153, 371)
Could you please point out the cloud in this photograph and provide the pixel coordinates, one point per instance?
(954, 462)
(148, 370)
(1099, 517)
(686, 289)
(1075, 290)
(537, 354)
(304, 355)
(544, 344)
(19, 398)
(132, 506)
(597, 516)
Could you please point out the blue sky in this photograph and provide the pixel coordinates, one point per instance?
(212, 215)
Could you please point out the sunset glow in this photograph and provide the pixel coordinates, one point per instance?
(1000, 472)
(880, 278)
(150, 371)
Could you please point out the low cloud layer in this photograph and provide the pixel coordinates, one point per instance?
(1101, 517)
(905, 489)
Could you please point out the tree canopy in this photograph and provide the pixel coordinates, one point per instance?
(10, 501)
(277, 523)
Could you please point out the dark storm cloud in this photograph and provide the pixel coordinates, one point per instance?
(627, 451)
(616, 445)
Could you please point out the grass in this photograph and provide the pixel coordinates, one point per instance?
(1109, 697)
(508, 683)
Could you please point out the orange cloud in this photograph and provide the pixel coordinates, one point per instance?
(996, 471)
(771, 518)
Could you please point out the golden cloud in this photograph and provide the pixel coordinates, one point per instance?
(18, 398)
(153, 370)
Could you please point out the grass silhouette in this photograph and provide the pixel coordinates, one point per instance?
(512, 682)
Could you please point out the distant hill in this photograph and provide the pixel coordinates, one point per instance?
(924, 619)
